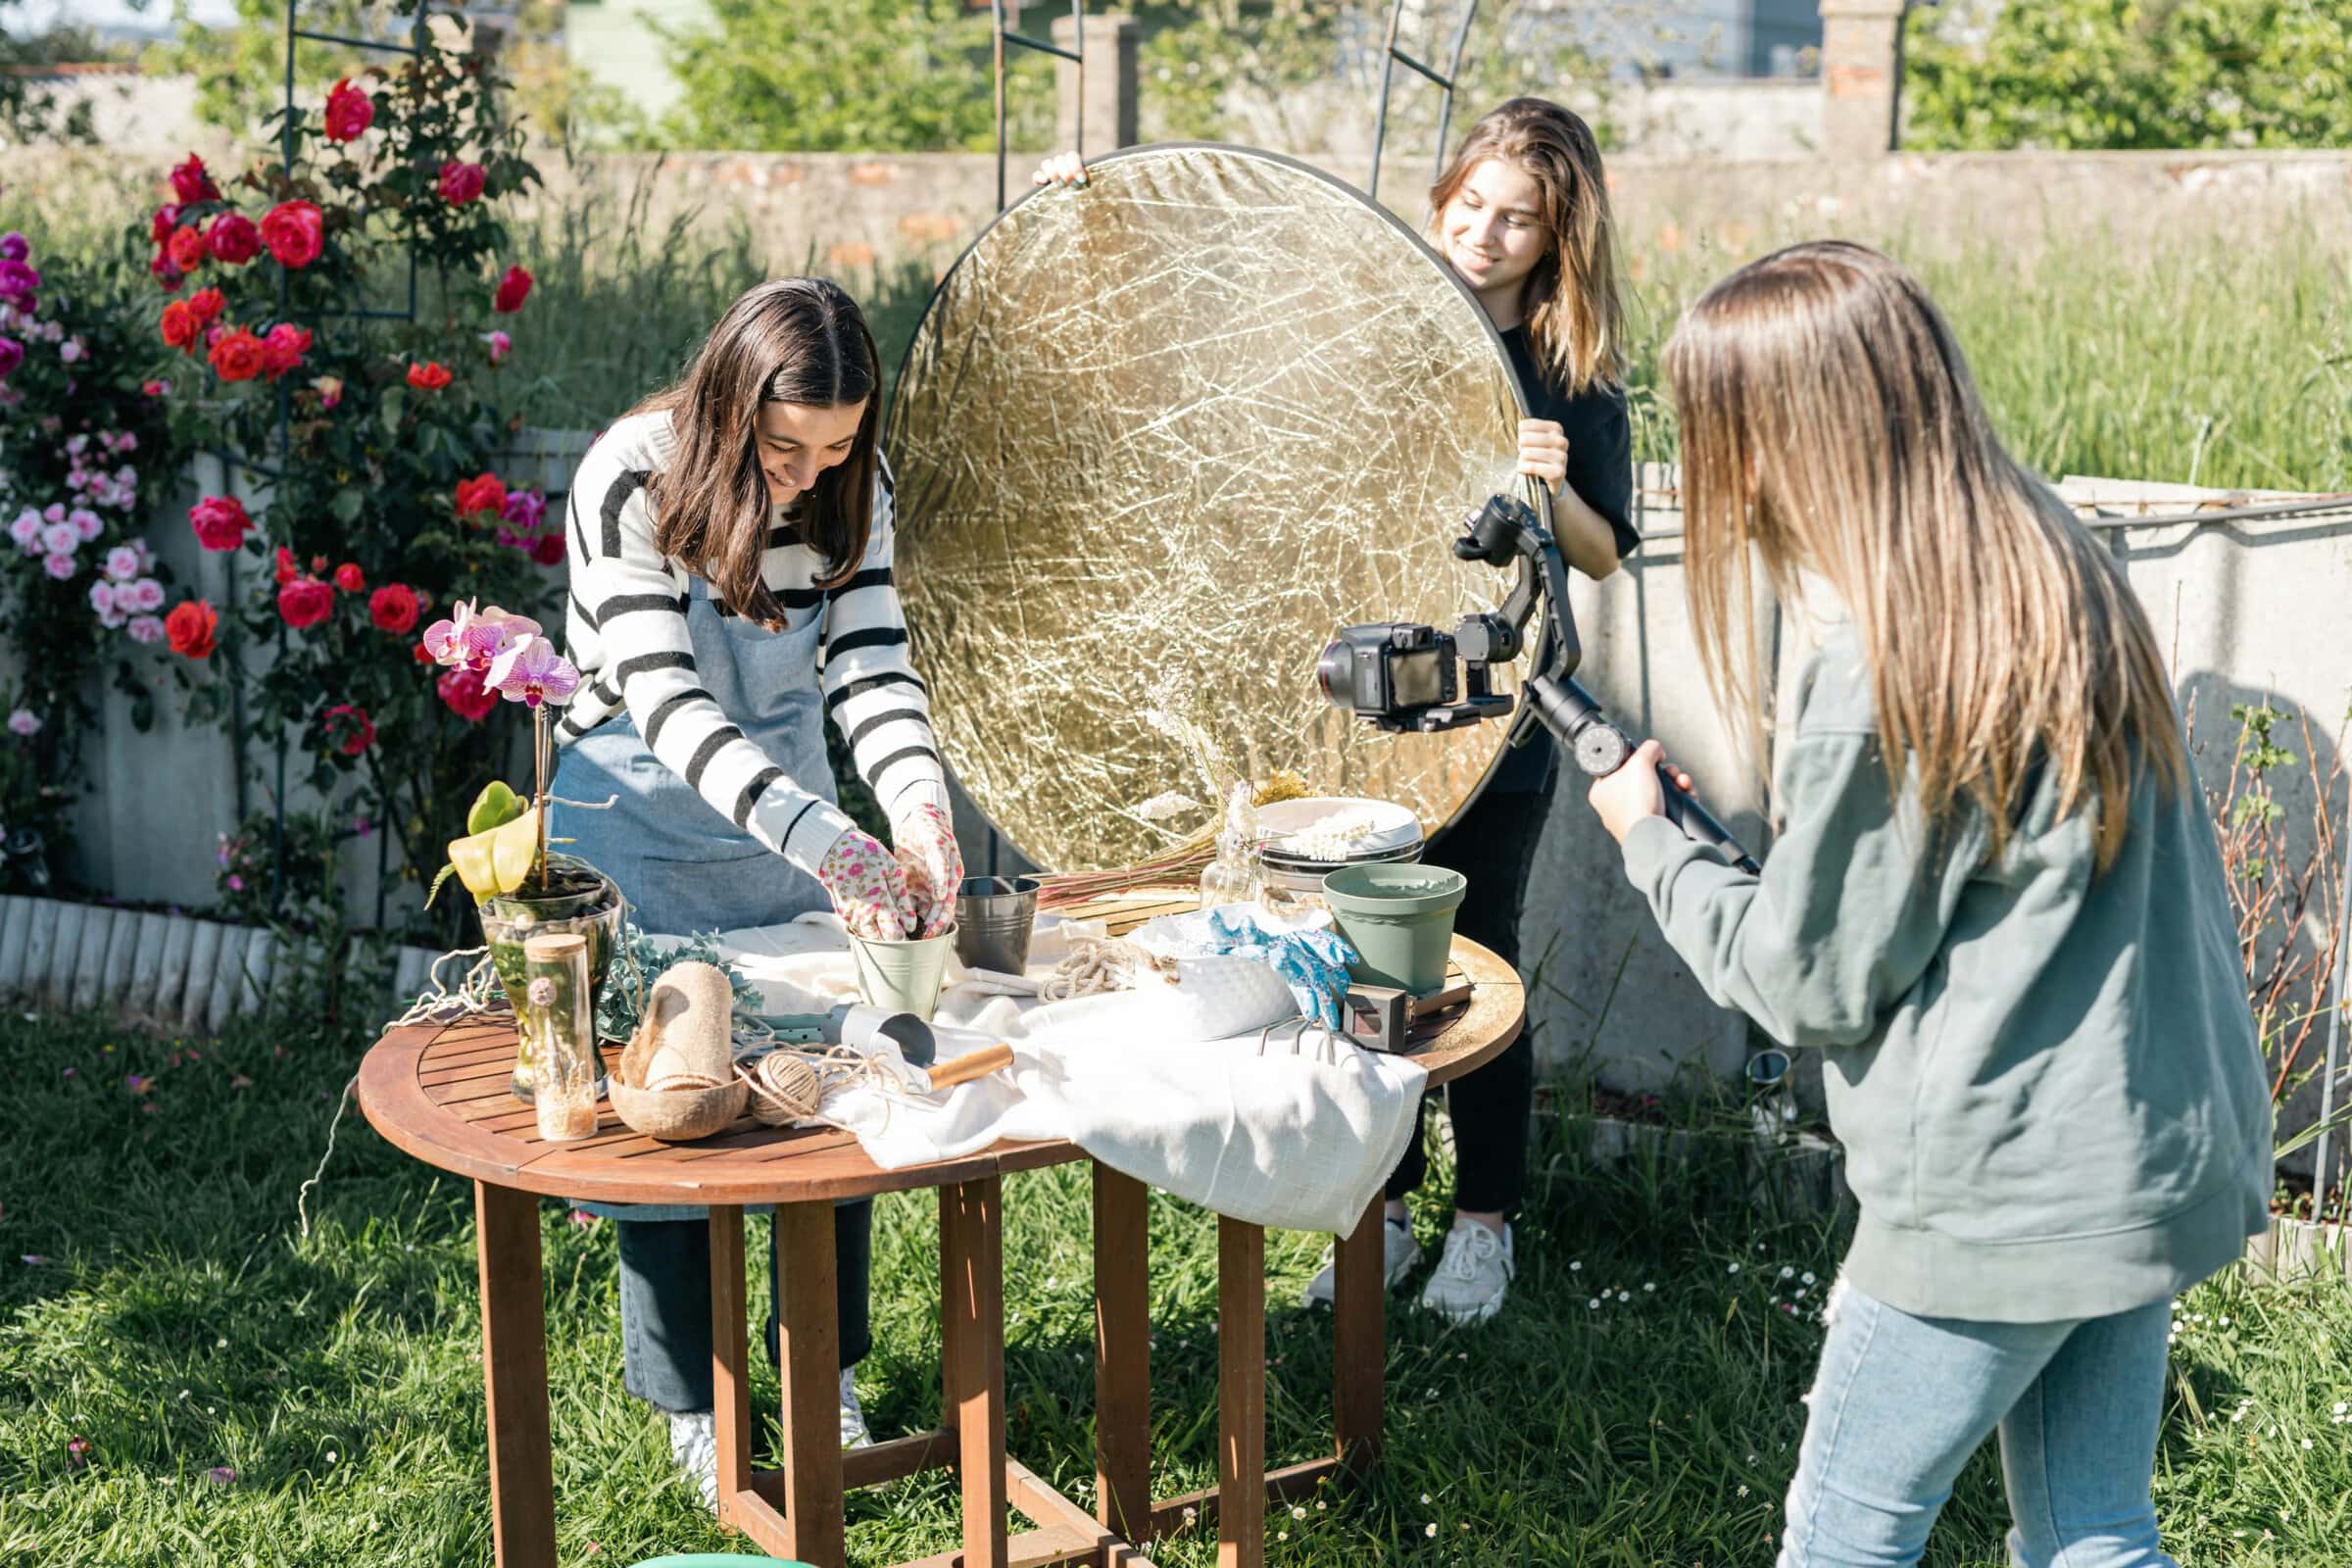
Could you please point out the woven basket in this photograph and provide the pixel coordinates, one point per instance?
(678, 1115)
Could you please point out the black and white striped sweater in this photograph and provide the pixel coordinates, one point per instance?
(625, 628)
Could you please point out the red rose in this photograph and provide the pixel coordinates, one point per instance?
(467, 698)
(181, 325)
(189, 628)
(423, 654)
(350, 578)
(207, 305)
(233, 239)
(219, 522)
(187, 248)
(348, 728)
(166, 276)
(155, 389)
(461, 183)
(348, 110)
(428, 376)
(238, 356)
(295, 232)
(393, 609)
(513, 290)
(285, 566)
(304, 601)
(547, 550)
(160, 226)
(484, 492)
(192, 182)
(282, 350)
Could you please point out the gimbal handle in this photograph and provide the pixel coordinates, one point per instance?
(1497, 535)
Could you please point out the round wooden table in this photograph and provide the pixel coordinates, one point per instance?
(440, 1092)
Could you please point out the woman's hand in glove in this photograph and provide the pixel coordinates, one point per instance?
(934, 866)
(867, 888)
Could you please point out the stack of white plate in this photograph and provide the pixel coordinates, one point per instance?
(1304, 841)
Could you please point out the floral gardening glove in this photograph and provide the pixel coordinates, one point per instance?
(934, 866)
(867, 888)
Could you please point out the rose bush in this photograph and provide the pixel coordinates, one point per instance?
(80, 594)
(358, 537)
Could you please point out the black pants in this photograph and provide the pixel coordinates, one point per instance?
(666, 1303)
(1492, 846)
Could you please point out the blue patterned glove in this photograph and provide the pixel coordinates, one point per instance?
(1313, 963)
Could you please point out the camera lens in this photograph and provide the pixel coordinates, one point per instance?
(1331, 673)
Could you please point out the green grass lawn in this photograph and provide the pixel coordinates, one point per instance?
(1637, 1403)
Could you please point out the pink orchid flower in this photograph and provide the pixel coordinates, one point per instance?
(472, 639)
(530, 671)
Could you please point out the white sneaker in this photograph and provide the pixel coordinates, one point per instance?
(694, 1438)
(694, 1450)
(1398, 1254)
(853, 1415)
(1472, 1275)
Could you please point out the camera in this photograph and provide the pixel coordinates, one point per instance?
(1404, 678)
(1388, 669)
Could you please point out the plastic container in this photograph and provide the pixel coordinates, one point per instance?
(902, 976)
(1399, 919)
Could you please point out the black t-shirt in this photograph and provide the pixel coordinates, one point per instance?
(1601, 470)
(1600, 438)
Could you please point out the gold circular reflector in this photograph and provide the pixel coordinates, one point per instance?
(1155, 440)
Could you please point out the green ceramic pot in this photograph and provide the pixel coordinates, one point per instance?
(1399, 919)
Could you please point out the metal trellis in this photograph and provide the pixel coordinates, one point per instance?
(412, 50)
(1045, 46)
(1390, 57)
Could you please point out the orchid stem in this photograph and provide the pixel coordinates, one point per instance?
(539, 794)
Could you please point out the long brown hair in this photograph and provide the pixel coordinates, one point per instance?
(1575, 315)
(1829, 426)
(798, 340)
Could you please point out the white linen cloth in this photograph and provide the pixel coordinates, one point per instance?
(1173, 1085)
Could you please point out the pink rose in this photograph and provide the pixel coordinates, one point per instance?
(219, 522)
(145, 629)
(86, 523)
(58, 566)
(460, 182)
(141, 597)
(60, 538)
(121, 564)
(304, 601)
(102, 597)
(24, 721)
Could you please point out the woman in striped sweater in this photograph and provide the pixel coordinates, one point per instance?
(731, 575)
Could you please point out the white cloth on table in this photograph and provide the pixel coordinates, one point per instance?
(1172, 1085)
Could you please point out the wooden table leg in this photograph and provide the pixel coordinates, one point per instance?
(1122, 1354)
(1359, 1342)
(811, 1331)
(522, 1482)
(1241, 1395)
(971, 1296)
(730, 1365)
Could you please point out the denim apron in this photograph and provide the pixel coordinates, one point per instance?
(682, 865)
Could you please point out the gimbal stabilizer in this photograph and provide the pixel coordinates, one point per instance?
(1404, 678)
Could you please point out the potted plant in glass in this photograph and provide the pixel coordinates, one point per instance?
(518, 888)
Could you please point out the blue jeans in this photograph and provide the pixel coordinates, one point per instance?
(1900, 1403)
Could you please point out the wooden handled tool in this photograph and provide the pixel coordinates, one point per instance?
(970, 1065)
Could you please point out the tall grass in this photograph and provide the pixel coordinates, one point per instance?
(2210, 358)
(2202, 355)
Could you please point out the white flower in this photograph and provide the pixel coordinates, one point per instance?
(1430, 1530)
(1594, 1306)
(2342, 1408)
(1744, 1491)
(1808, 1278)
(1425, 1497)
(1787, 1271)
(1297, 1512)
(1576, 1268)
(1649, 1284)
(1735, 1268)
